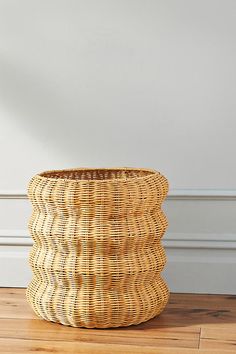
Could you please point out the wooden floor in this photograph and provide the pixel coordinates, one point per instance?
(190, 324)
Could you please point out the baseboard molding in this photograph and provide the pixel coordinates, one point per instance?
(201, 263)
(197, 263)
(14, 266)
(201, 276)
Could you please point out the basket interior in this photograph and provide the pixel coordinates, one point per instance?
(97, 174)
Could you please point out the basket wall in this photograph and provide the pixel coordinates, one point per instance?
(97, 253)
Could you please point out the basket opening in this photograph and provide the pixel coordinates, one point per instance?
(97, 174)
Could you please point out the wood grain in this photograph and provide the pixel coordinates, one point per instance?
(190, 324)
(218, 338)
(36, 329)
(42, 347)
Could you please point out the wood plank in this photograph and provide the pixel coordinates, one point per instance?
(218, 338)
(13, 304)
(182, 310)
(176, 330)
(196, 317)
(36, 329)
(42, 347)
(198, 310)
(208, 301)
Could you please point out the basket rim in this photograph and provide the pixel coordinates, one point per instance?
(151, 173)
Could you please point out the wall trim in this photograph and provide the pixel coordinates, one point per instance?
(174, 194)
(13, 195)
(15, 238)
(202, 194)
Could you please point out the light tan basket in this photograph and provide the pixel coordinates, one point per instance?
(97, 255)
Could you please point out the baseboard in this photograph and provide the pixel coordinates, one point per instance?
(201, 263)
(14, 267)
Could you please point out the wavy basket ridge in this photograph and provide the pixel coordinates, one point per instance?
(97, 253)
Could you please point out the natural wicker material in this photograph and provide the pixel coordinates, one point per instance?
(97, 255)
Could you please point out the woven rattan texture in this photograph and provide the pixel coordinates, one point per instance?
(97, 253)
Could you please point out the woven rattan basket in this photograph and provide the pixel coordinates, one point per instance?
(97, 255)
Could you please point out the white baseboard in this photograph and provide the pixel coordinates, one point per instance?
(14, 267)
(201, 263)
(200, 242)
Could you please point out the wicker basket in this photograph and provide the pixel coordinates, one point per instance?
(97, 254)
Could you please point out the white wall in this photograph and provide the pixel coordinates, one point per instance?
(136, 83)
(124, 83)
